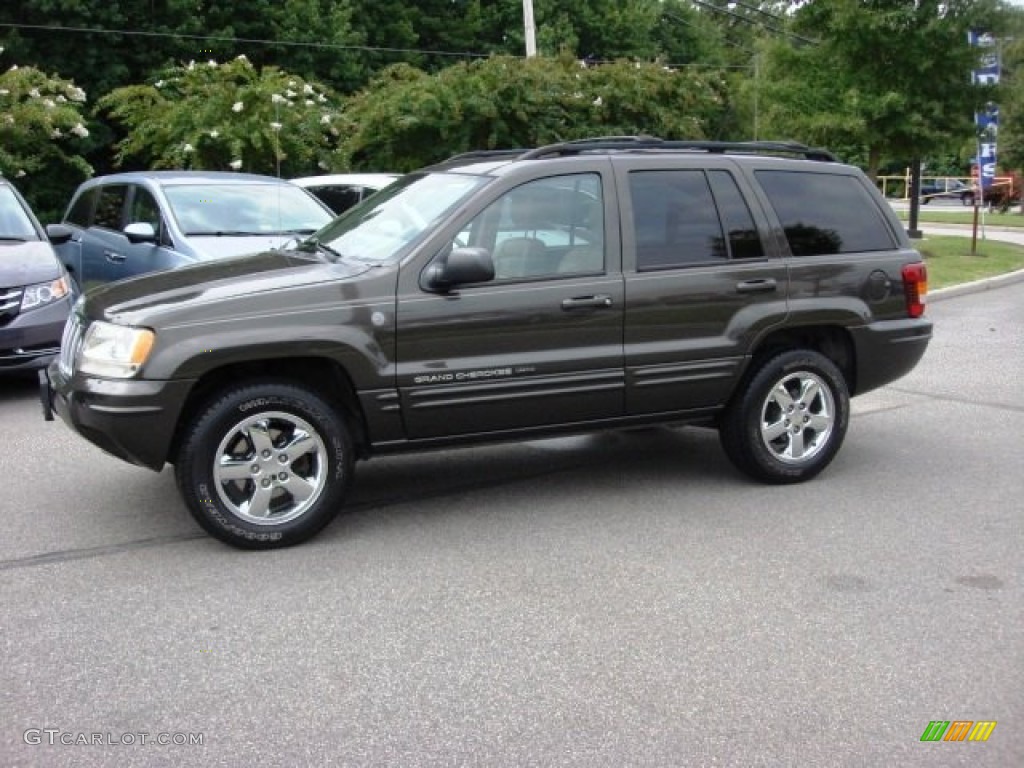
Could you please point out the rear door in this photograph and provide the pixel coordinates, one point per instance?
(541, 343)
(702, 282)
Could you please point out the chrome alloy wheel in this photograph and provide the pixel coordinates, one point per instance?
(797, 417)
(270, 468)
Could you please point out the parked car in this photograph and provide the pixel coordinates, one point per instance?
(508, 295)
(35, 291)
(126, 224)
(341, 191)
(946, 189)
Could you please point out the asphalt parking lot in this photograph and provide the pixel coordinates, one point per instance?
(621, 599)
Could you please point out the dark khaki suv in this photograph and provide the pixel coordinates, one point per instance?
(507, 295)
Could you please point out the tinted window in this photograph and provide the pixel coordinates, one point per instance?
(110, 207)
(675, 219)
(81, 211)
(339, 198)
(825, 213)
(744, 240)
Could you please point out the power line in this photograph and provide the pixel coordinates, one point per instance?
(223, 39)
(748, 20)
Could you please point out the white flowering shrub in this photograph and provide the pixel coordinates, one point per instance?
(41, 133)
(220, 116)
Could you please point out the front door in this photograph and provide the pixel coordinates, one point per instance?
(538, 345)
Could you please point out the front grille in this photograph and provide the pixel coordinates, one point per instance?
(70, 344)
(10, 303)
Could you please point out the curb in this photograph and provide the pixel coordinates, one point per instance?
(976, 286)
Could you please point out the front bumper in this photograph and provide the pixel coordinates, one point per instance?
(32, 339)
(134, 420)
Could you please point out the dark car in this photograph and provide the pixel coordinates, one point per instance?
(946, 189)
(126, 224)
(752, 288)
(35, 292)
(341, 191)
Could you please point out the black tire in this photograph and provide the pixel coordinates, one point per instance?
(237, 478)
(783, 437)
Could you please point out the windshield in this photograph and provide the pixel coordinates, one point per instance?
(245, 209)
(381, 227)
(14, 222)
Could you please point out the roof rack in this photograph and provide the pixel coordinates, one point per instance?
(630, 143)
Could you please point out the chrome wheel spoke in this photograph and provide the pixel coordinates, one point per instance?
(300, 488)
(259, 503)
(809, 390)
(796, 445)
(300, 443)
(782, 397)
(775, 430)
(820, 422)
(233, 469)
(259, 435)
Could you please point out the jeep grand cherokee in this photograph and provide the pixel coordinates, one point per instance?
(507, 295)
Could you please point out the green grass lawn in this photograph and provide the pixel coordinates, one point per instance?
(950, 261)
(966, 216)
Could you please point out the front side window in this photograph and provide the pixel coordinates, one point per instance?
(110, 207)
(80, 213)
(544, 228)
(824, 213)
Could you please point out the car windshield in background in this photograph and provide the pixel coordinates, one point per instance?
(14, 222)
(380, 228)
(244, 209)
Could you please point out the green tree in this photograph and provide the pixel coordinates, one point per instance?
(42, 132)
(882, 78)
(229, 115)
(407, 118)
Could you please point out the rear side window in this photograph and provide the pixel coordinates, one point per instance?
(825, 213)
(689, 217)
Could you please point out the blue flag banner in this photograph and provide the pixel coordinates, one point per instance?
(987, 120)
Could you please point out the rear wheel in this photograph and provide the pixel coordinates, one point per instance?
(789, 422)
(265, 465)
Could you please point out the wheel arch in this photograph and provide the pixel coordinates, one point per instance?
(324, 376)
(832, 341)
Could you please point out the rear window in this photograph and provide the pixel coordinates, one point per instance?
(825, 213)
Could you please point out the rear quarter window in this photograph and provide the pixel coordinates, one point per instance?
(824, 213)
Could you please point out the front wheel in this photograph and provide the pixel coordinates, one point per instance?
(265, 465)
(789, 421)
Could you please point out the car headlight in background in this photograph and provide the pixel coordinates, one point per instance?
(41, 294)
(115, 351)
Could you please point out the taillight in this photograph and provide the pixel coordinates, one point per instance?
(915, 287)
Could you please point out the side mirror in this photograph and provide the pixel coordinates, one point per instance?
(463, 265)
(140, 232)
(58, 234)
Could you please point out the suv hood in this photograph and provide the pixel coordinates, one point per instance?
(211, 282)
(25, 263)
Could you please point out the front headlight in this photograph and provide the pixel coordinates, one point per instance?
(41, 294)
(114, 351)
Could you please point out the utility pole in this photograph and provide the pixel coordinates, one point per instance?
(529, 29)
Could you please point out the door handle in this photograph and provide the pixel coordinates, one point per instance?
(114, 257)
(759, 285)
(587, 302)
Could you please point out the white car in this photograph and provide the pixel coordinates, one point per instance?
(340, 191)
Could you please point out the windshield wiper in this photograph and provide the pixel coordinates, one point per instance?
(320, 247)
(228, 233)
(13, 239)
